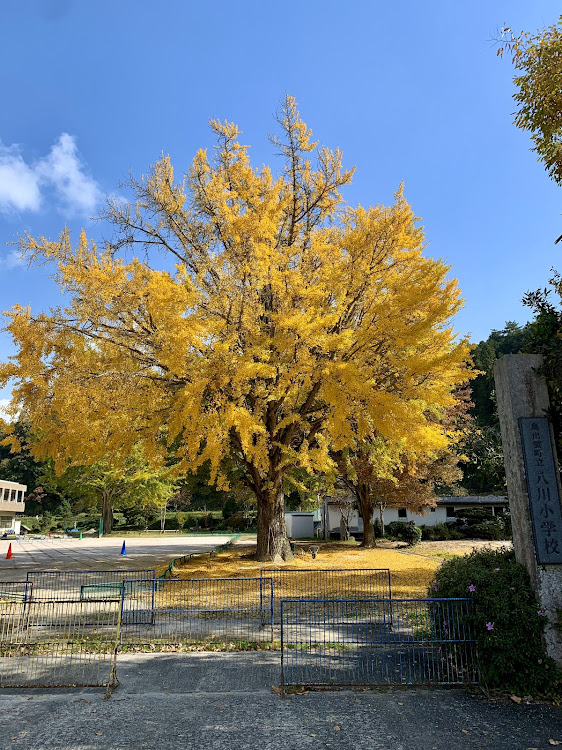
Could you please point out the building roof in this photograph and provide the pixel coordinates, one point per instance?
(473, 500)
(459, 500)
(12, 485)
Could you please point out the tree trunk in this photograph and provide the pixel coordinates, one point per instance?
(107, 512)
(272, 543)
(367, 507)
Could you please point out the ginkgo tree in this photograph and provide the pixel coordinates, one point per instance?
(380, 473)
(110, 485)
(286, 325)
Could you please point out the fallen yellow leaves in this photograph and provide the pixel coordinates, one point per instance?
(410, 573)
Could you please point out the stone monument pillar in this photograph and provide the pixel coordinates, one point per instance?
(533, 482)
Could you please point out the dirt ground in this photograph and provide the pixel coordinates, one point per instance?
(445, 550)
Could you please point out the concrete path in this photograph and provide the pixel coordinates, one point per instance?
(233, 708)
(99, 554)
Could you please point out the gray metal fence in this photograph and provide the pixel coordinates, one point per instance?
(13, 599)
(225, 610)
(82, 584)
(52, 643)
(377, 642)
(329, 583)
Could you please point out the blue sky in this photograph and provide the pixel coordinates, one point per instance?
(410, 91)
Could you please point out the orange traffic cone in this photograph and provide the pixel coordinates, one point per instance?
(9, 553)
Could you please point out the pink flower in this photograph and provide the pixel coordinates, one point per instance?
(472, 587)
(541, 613)
(490, 625)
(435, 587)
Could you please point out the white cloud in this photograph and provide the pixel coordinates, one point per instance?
(63, 169)
(12, 260)
(24, 186)
(19, 183)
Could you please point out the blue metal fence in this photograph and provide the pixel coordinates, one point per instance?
(377, 642)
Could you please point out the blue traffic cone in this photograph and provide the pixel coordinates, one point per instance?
(123, 550)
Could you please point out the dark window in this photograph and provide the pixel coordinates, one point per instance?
(402, 513)
(433, 510)
(451, 511)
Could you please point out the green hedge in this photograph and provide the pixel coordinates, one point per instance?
(405, 532)
(507, 620)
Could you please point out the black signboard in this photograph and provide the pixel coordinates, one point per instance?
(542, 485)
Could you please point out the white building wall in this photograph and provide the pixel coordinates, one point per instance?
(331, 515)
(431, 518)
(12, 496)
(8, 522)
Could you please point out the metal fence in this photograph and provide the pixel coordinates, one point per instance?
(13, 599)
(332, 583)
(70, 585)
(225, 610)
(377, 642)
(54, 643)
(341, 628)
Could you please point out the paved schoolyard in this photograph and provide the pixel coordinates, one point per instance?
(99, 554)
(224, 702)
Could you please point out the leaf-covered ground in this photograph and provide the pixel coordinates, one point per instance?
(411, 568)
(410, 574)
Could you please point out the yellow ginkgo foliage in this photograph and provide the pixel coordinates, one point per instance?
(285, 325)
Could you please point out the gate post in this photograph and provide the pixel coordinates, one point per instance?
(533, 482)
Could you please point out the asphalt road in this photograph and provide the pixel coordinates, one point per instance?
(224, 701)
(98, 554)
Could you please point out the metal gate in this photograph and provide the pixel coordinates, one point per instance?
(329, 583)
(56, 643)
(377, 642)
(206, 610)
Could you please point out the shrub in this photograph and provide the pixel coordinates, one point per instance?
(489, 530)
(378, 528)
(47, 522)
(441, 532)
(427, 533)
(139, 519)
(236, 522)
(507, 622)
(412, 534)
(230, 508)
(405, 532)
(395, 529)
(473, 516)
